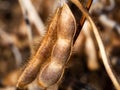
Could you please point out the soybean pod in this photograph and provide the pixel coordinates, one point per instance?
(52, 71)
(43, 52)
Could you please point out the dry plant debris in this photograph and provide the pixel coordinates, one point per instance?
(64, 56)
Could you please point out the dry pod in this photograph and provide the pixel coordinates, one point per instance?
(52, 72)
(53, 52)
(43, 53)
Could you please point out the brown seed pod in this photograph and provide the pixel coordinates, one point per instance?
(52, 72)
(43, 53)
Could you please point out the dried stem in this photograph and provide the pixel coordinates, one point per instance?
(109, 23)
(33, 15)
(82, 18)
(28, 24)
(8, 40)
(87, 7)
(90, 47)
(100, 44)
(17, 55)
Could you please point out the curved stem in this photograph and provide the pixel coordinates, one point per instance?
(100, 44)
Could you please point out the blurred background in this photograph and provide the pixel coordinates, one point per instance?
(23, 25)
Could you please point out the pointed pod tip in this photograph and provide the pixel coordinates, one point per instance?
(20, 85)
